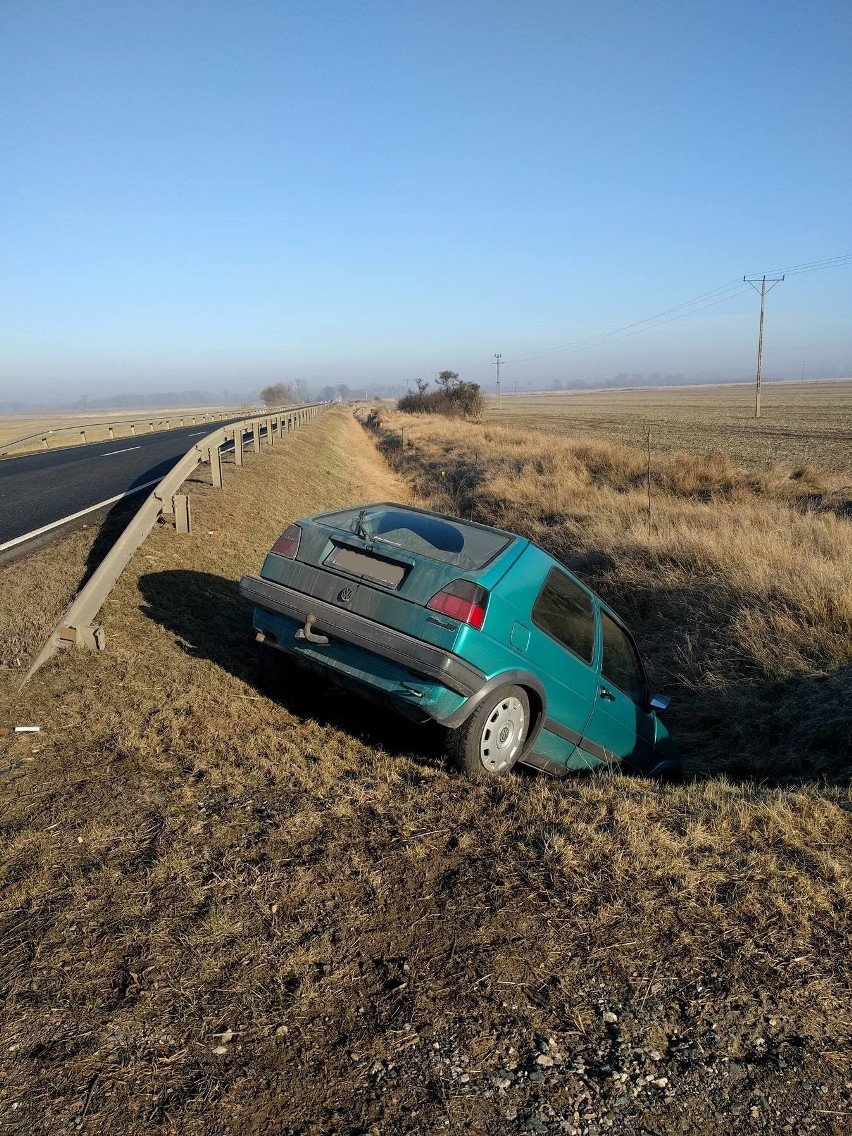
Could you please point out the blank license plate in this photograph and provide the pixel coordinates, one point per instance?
(369, 567)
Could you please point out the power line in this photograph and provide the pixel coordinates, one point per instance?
(815, 265)
(684, 309)
(639, 325)
(691, 307)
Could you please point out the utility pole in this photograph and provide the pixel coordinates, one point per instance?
(498, 358)
(754, 281)
(803, 372)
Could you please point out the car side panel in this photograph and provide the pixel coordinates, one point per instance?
(570, 684)
(618, 729)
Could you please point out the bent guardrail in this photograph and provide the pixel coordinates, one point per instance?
(76, 626)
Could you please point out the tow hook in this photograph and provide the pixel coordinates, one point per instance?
(306, 633)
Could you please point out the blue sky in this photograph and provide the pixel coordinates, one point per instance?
(217, 193)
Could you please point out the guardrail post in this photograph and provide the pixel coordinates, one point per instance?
(215, 466)
(404, 436)
(270, 441)
(238, 446)
(256, 432)
(111, 432)
(133, 429)
(151, 424)
(83, 436)
(44, 443)
(194, 423)
(182, 512)
(168, 423)
(90, 638)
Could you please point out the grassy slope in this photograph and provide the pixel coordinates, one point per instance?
(28, 613)
(740, 594)
(185, 857)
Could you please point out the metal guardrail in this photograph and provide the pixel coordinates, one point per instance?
(139, 423)
(76, 626)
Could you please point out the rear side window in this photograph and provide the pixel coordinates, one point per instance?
(621, 665)
(564, 611)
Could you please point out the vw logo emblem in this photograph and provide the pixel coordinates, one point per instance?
(345, 596)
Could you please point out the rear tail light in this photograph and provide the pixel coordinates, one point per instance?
(462, 600)
(288, 543)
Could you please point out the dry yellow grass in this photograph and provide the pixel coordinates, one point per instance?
(35, 592)
(235, 901)
(801, 424)
(739, 591)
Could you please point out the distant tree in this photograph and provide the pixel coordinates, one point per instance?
(453, 398)
(328, 394)
(344, 391)
(448, 380)
(301, 391)
(276, 394)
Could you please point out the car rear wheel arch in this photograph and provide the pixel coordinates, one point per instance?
(536, 715)
(533, 688)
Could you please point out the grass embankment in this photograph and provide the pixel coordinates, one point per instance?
(225, 912)
(35, 591)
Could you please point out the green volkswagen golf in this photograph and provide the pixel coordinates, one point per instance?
(470, 626)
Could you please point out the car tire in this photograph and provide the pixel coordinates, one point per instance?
(492, 739)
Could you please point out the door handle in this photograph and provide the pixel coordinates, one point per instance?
(608, 695)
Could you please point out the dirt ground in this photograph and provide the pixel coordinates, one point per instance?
(808, 423)
(234, 900)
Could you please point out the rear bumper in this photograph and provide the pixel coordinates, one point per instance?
(338, 624)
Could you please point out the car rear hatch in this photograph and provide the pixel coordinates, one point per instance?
(386, 562)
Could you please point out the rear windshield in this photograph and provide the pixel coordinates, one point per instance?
(452, 542)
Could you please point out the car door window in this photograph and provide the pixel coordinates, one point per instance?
(564, 611)
(621, 665)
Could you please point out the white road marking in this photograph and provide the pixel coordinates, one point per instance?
(74, 516)
(198, 435)
(124, 451)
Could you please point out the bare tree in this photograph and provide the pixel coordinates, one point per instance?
(276, 394)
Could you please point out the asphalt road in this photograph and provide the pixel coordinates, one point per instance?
(39, 489)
